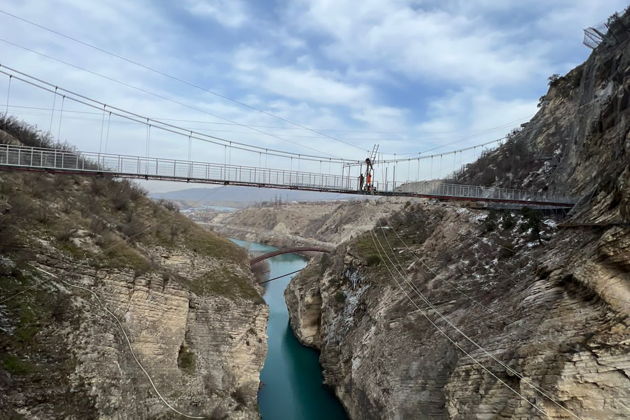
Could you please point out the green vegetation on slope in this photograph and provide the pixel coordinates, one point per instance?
(224, 282)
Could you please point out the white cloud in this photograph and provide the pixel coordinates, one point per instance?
(230, 13)
(381, 117)
(471, 116)
(460, 42)
(249, 58)
(310, 85)
(302, 83)
(569, 18)
(418, 43)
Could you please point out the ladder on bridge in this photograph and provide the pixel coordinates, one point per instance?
(374, 153)
(369, 169)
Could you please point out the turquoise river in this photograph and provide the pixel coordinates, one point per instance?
(292, 378)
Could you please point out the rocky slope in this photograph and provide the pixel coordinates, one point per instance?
(297, 224)
(107, 299)
(446, 312)
(578, 142)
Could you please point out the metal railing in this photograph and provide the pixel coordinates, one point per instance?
(444, 189)
(150, 167)
(173, 169)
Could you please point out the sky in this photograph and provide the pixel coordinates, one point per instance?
(409, 75)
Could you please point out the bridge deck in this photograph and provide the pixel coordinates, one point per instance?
(85, 163)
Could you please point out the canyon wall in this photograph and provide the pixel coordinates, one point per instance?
(449, 312)
(113, 306)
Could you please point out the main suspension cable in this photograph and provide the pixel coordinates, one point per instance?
(132, 116)
(157, 95)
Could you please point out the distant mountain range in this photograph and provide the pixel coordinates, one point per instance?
(247, 195)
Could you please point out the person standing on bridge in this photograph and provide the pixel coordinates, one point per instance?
(368, 174)
(361, 179)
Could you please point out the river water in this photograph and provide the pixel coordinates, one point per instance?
(292, 377)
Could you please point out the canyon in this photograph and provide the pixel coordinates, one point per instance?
(117, 306)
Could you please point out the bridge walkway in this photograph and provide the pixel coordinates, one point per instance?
(53, 160)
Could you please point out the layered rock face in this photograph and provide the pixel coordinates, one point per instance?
(202, 352)
(446, 312)
(115, 307)
(554, 311)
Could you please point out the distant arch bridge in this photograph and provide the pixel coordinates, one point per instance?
(294, 250)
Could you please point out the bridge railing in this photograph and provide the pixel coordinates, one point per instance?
(444, 189)
(138, 166)
(54, 159)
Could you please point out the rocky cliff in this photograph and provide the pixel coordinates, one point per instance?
(578, 141)
(446, 312)
(113, 306)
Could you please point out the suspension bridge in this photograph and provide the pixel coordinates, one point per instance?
(231, 162)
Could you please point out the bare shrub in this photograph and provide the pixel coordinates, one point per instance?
(240, 395)
(41, 187)
(62, 182)
(9, 236)
(133, 229)
(121, 202)
(25, 133)
(64, 234)
(123, 194)
(98, 225)
(219, 413)
(168, 205)
(98, 186)
(42, 214)
(59, 310)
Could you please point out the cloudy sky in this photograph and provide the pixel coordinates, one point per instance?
(411, 75)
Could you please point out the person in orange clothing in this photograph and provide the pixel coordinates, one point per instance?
(368, 183)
